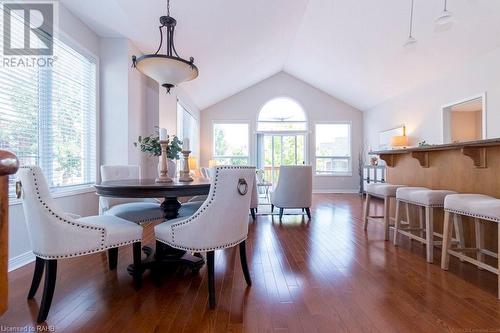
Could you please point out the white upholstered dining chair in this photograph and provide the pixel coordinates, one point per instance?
(138, 210)
(294, 189)
(57, 235)
(221, 222)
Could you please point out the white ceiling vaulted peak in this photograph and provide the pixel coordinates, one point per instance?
(349, 49)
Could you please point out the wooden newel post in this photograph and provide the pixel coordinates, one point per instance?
(8, 166)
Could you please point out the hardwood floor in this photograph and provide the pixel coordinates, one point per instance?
(326, 275)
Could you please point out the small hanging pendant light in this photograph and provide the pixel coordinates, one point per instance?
(168, 69)
(446, 16)
(411, 41)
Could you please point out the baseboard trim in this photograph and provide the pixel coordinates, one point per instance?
(336, 191)
(21, 260)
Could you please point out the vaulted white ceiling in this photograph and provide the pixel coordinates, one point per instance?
(349, 49)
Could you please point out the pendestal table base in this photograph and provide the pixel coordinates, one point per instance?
(166, 257)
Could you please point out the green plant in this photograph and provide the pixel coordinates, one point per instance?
(424, 144)
(151, 145)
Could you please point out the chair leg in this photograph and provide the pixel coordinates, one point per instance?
(498, 231)
(397, 222)
(308, 212)
(211, 279)
(252, 211)
(137, 265)
(281, 213)
(459, 231)
(113, 258)
(48, 289)
(408, 215)
(272, 208)
(447, 232)
(387, 201)
(429, 233)
(244, 264)
(421, 215)
(479, 231)
(366, 211)
(37, 277)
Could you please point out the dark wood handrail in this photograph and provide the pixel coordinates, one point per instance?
(8, 166)
(8, 163)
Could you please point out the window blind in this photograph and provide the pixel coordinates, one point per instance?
(48, 115)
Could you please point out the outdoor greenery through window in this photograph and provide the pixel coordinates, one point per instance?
(231, 146)
(333, 149)
(48, 116)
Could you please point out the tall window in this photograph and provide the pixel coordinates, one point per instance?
(281, 136)
(48, 116)
(230, 143)
(187, 127)
(333, 149)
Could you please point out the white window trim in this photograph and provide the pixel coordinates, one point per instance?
(334, 174)
(250, 144)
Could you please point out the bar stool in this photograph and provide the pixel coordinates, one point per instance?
(383, 191)
(426, 200)
(482, 208)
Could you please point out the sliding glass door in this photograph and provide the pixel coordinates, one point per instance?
(281, 149)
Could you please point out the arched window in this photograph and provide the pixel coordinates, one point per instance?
(282, 114)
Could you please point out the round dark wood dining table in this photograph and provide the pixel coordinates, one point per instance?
(165, 255)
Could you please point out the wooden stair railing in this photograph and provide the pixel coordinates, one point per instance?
(8, 166)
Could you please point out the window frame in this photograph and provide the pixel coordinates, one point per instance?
(180, 130)
(293, 100)
(348, 173)
(232, 122)
(78, 189)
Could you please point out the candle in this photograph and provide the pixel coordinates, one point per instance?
(185, 144)
(163, 134)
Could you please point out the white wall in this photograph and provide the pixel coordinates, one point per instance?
(72, 31)
(420, 109)
(129, 105)
(114, 143)
(319, 106)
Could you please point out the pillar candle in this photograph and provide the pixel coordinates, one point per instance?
(185, 144)
(163, 134)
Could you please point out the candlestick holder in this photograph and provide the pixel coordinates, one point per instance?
(163, 165)
(184, 174)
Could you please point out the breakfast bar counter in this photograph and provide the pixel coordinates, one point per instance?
(466, 167)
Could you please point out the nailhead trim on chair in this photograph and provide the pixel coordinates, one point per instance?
(225, 246)
(380, 196)
(205, 205)
(482, 217)
(76, 224)
(86, 252)
(420, 204)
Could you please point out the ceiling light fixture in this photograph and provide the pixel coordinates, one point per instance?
(446, 16)
(411, 40)
(168, 69)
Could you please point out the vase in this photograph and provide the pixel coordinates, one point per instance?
(172, 168)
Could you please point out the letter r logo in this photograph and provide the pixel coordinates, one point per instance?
(35, 22)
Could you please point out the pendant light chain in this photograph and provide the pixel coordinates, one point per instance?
(445, 5)
(168, 7)
(411, 19)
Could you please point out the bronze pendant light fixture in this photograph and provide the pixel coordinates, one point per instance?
(168, 69)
